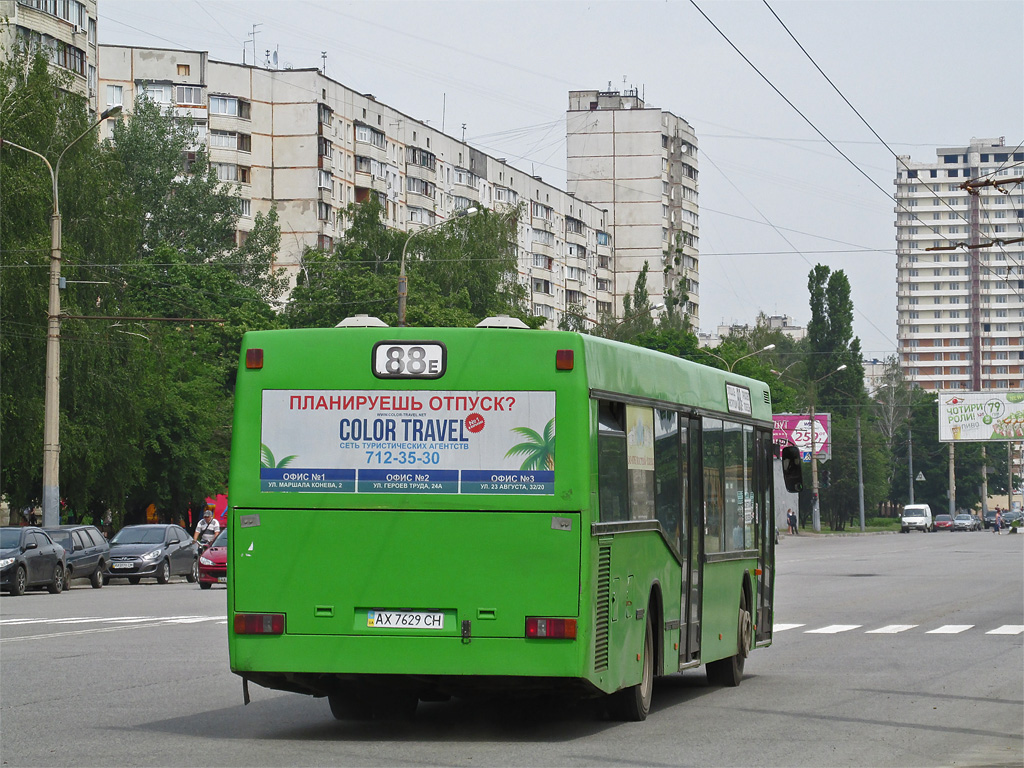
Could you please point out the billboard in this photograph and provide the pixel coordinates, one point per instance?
(795, 429)
(977, 416)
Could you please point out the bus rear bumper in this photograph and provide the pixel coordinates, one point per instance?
(321, 665)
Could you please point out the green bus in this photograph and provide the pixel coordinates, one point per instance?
(417, 513)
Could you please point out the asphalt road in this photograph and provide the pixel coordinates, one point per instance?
(890, 650)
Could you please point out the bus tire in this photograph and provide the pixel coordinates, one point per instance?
(634, 703)
(729, 671)
(350, 705)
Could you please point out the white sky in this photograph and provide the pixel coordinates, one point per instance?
(775, 198)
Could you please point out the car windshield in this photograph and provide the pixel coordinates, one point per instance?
(9, 538)
(942, 518)
(221, 540)
(63, 538)
(139, 536)
(963, 517)
(912, 513)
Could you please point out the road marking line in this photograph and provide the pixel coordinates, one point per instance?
(1007, 629)
(833, 629)
(892, 629)
(949, 629)
(784, 627)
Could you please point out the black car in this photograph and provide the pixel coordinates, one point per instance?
(29, 558)
(87, 552)
(157, 551)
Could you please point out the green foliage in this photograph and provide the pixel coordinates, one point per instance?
(146, 404)
(458, 273)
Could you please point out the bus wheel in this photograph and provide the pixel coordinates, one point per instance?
(729, 672)
(350, 705)
(634, 703)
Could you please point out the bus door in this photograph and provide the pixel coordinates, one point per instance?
(764, 506)
(693, 527)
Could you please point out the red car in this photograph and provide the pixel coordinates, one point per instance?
(943, 523)
(213, 563)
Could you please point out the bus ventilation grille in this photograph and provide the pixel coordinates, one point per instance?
(767, 398)
(602, 604)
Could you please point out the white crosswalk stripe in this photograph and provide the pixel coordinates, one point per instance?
(950, 629)
(833, 629)
(784, 627)
(1007, 629)
(892, 629)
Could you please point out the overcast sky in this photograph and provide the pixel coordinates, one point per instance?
(775, 198)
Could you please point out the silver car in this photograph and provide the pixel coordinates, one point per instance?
(966, 523)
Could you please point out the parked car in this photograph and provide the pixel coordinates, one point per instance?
(1010, 516)
(966, 523)
(944, 523)
(152, 551)
(87, 552)
(213, 563)
(916, 517)
(29, 558)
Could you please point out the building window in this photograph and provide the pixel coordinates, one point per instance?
(573, 297)
(371, 136)
(323, 211)
(542, 261)
(243, 174)
(603, 238)
(324, 180)
(244, 207)
(542, 286)
(324, 242)
(115, 95)
(227, 105)
(324, 147)
(604, 307)
(226, 171)
(183, 70)
(188, 94)
(224, 139)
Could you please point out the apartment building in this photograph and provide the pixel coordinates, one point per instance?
(960, 275)
(66, 29)
(639, 163)
(312, 146)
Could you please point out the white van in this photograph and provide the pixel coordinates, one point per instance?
(916, 517)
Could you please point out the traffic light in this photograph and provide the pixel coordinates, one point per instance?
(824, 479)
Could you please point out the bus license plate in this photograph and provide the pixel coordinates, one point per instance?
(404, 620)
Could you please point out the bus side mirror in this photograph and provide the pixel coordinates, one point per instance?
(792, 469)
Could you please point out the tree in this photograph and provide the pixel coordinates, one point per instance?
(457, 274)
(145, 405)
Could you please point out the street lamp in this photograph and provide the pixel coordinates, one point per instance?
(51, 403)
(403, 281)
(767, 348)
(815, 510)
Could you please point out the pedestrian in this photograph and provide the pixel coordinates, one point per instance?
(207, 528)
(997, 526)
(791, 522)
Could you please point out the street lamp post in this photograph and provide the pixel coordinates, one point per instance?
(403, 281)
(51, 402)
(767, 348)
(815, 510)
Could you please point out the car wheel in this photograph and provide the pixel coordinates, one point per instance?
(56, 586)
(193, 575)
(163, 575)
(205, 585)
(19, 582)
(105, 579)
(134, 579)
(97, 579)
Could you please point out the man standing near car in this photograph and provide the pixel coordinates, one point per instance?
(207, 528)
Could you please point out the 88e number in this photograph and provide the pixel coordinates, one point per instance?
(409, 360)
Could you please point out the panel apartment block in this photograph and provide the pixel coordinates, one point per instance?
(65, 29)
(312, 146)
(960, 278)
(640, 164)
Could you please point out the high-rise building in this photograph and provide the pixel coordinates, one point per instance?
(299, 140)
(65, 29)
(960, 267)
(640, 163)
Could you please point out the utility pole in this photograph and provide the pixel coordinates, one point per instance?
(952, 483)
(910, 461)
(860, 476)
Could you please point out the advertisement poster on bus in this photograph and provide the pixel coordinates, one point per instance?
(414, 442)
(973, 416)
(795, 429)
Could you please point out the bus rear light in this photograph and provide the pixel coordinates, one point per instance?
(551, 628)
(259, 623)
(564, 360)
(254, 358)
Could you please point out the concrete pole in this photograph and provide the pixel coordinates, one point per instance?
(860, 476)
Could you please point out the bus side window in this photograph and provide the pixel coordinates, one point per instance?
(612, 476)
(668, 490)
(714, 503)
